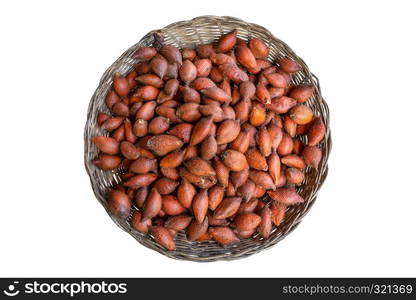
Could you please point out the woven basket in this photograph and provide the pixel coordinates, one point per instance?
(205, 29)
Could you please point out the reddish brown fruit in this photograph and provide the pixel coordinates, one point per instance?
(227, 42)
(247, 190)
(172, 54)
(294, 176)
(228, 131)
(107, 162)
(159, 125)
(257, 114)
(202, 83)
(182, 131)
(200, 205)
(222, 172)
(262, 178)
(190, 95)
(258, 48)
(316, 132)
(178, 222)
(217, 94)
(200, 167)
(141, 196)
(111, 99)
(281, 105)
(163, 144)
(265, 226)
(215, 196)
(294, 161)
(129, 151)
(259, 191)
(128, 132)
(289, 66)
(223, 235)
(121, 85)
(106, 144)
(187, 72)
(101, 118)
(147, 111)
(239, 178)
(278, 212)
(204, 51)
(171, 206)
(301, 114)
(203, 67)
(276, 134)
(264, 141)
(242, 142)
(246, 57)
(232, 72)
(138, 181)
(165, 186)
(120, 109)
(247, 221)
(248, 207)
(196, 230)
(144, 53)
(188, 53)
(112, 123)
(152, 205)
(274, 167)
(140, 128)
(163, 237)
(209, 148)
(119, 203)
(256, 159)
(138, 224)
(286, 196)
(201, 130)
(142, 68)
(173, 159)
(262, 94)
(204, 182)
(227, 207)
(185, 193)
(290, 126)
(312, 156)
(159, 65)
(302, 93)
(234, 160)
(150, 79)
(242, 110)
(285, 146)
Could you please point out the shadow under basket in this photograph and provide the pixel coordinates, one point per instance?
(182, 34)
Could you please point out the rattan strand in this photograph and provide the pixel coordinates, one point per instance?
(205, 29)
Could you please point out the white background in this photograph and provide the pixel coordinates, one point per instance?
(52, 56)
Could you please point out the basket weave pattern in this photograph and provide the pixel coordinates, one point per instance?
(187, 34)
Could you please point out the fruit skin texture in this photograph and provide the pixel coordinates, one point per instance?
(247, 221)
(234, 160)
(286, 196)
(223, 235)
(228, 207)
(119, 203)
(312, 156)
(316, 132)
(163, 144)
(196, 230)
(163, 237)
(200, 205)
